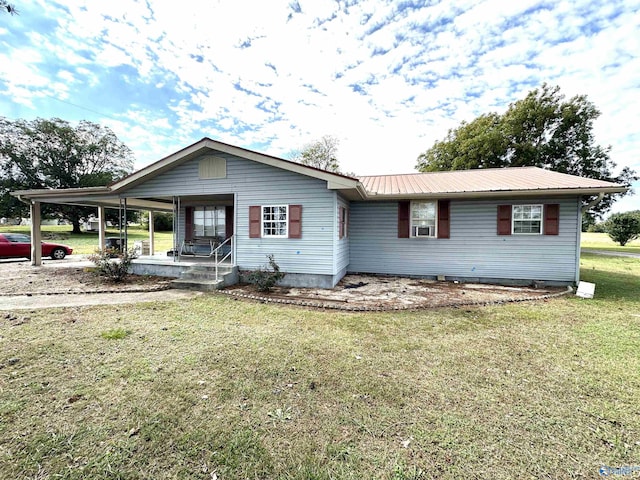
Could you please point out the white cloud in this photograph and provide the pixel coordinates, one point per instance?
(387, 81)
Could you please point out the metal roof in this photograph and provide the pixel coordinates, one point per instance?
(483, 181)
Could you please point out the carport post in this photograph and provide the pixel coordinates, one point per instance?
(151, 246)
(101, 229)
(36, 237)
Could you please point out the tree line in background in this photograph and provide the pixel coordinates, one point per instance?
(543, 130)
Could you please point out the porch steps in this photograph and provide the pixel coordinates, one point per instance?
(203, 278)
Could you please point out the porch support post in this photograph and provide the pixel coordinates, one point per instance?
(36, 237)
(101, 229)
(151, 243)
(126, 224)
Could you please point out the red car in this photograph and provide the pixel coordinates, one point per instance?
(17, 245)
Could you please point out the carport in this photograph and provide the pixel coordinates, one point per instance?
(99, 197)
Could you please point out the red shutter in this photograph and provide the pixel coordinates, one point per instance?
(504, 219)
(552, 219)
(188, 224)
(443, 219)
(228, 221)
(295, 221)
(341, 216)
(404, 210)
(255, 214)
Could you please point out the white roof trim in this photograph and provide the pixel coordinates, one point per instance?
(498, 193)
(334, 181)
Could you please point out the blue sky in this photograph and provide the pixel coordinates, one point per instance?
(387, 78)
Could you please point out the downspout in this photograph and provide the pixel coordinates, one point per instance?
(19, 197)
(581, 211)
(593, 202)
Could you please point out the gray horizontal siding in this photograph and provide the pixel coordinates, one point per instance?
(258, 184)
(474, 250)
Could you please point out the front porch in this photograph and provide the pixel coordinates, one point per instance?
(192, 273)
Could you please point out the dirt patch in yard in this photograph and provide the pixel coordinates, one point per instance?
(378, 293)
(20, 278)
(354, 292)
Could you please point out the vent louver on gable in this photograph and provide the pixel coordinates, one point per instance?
(211, 167)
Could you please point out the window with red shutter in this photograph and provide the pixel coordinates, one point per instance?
(295, 221)
(404, 212)
(504, 219)
(443, 219)
(552, 219)
(188, 224)
(255, 215)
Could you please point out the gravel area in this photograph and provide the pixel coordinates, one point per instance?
(376, 293)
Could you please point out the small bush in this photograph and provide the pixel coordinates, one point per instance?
(112, 264)
(162, 222)
(265, 279)
(623, 227)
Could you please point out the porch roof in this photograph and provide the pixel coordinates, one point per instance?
(109, 196)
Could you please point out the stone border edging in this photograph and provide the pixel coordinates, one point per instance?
(89, 292)
(323, 306)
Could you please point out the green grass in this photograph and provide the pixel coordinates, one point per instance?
(115, 334)
(601, 241)
(87, 242)
(247, 390)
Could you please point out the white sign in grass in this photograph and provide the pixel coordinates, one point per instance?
(586, 289)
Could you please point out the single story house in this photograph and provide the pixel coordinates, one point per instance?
(507, 225)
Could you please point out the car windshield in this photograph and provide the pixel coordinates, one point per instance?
(17, 238)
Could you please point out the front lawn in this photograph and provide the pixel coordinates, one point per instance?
(602, 241)
(86, 243)
(218, 388)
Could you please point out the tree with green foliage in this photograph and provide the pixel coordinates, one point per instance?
(10, 9)
(624, 227)
(41, 154)
(543, 130)
(322, 154)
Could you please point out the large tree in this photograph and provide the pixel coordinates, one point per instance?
(322, 154)
(52, 153)
(544, 130)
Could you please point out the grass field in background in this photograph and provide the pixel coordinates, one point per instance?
(247, 390)
(87, 242)
(601, 241)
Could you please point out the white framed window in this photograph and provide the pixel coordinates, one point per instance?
(342, 222)
(527, 220)
(424, 219)
(274, 221)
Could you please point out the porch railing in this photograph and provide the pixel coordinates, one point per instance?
(217, 256)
